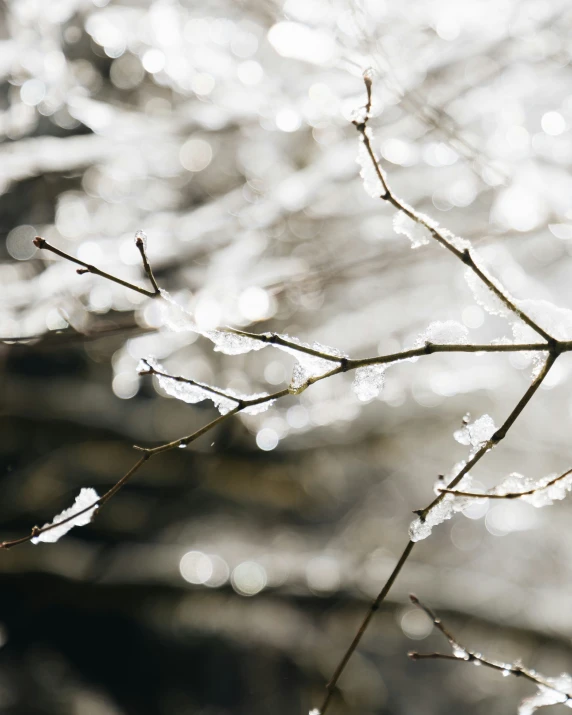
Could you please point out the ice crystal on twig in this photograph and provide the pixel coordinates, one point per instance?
(476, 433)
(309, 366)
(369, 381)
(444, 509)
(547, 696)
(230, 343)
(85, 498)
(416, 232)
(483, 295)
(448, 332)
(191, 391)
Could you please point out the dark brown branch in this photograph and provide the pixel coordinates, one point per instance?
(499, 434)
(140, 243)
(152, 452)
(508, 495)
(40, 242)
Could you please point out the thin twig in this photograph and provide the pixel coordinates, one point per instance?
(177, 378)
(499, 435)
(140, 243)
(461, 653)
(464, 255)
(40, 242)
(154, 451)
(508, 495)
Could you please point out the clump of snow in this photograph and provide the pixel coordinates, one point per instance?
(193, 392)
(475, 434)
(459, 651)
(230, 343)
(86, 498)
(450, 504)
(179, 320)
(416, 232)
(556, 321)
(483, 295)
(309, 366)
(368, 381)
(562, 693)
(543, 495)
(448, 332)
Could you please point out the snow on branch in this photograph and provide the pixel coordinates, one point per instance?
(190, 391)
(541, 493)
(551, 691)
(79, 514)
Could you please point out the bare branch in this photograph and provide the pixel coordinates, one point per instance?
(140, 243)
(498, 435)
(461, 653)
(40, 242)
(509, 495)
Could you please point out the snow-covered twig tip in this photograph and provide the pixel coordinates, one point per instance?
(79, 514)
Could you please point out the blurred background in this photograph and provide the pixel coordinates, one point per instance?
(230, 577)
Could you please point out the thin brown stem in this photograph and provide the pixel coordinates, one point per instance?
(440, 236)
(88, 268)
(177, 378)
(466, 655)
(499, 435)
(140, 243)
(152, 452)
(376, 603)
(508, 495)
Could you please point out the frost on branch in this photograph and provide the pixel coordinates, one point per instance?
(369, 381)
(444, 509)
(448, 332)
(193, 392)
(180, 320)
(415, 231)
(483, 295)
(547, 696)
(84, 499)
(556, 321)
(371, 181)
(309, 366)
(475, 434)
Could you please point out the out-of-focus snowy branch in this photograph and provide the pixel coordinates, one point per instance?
(551, 691)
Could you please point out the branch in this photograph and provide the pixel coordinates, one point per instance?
(508, 495)
(141, 243)
(207, 388)
(148, 453)
(468, 656)
(499, 434)
(40, 242)
(439, 235)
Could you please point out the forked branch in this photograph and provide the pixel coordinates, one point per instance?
(461, 653)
